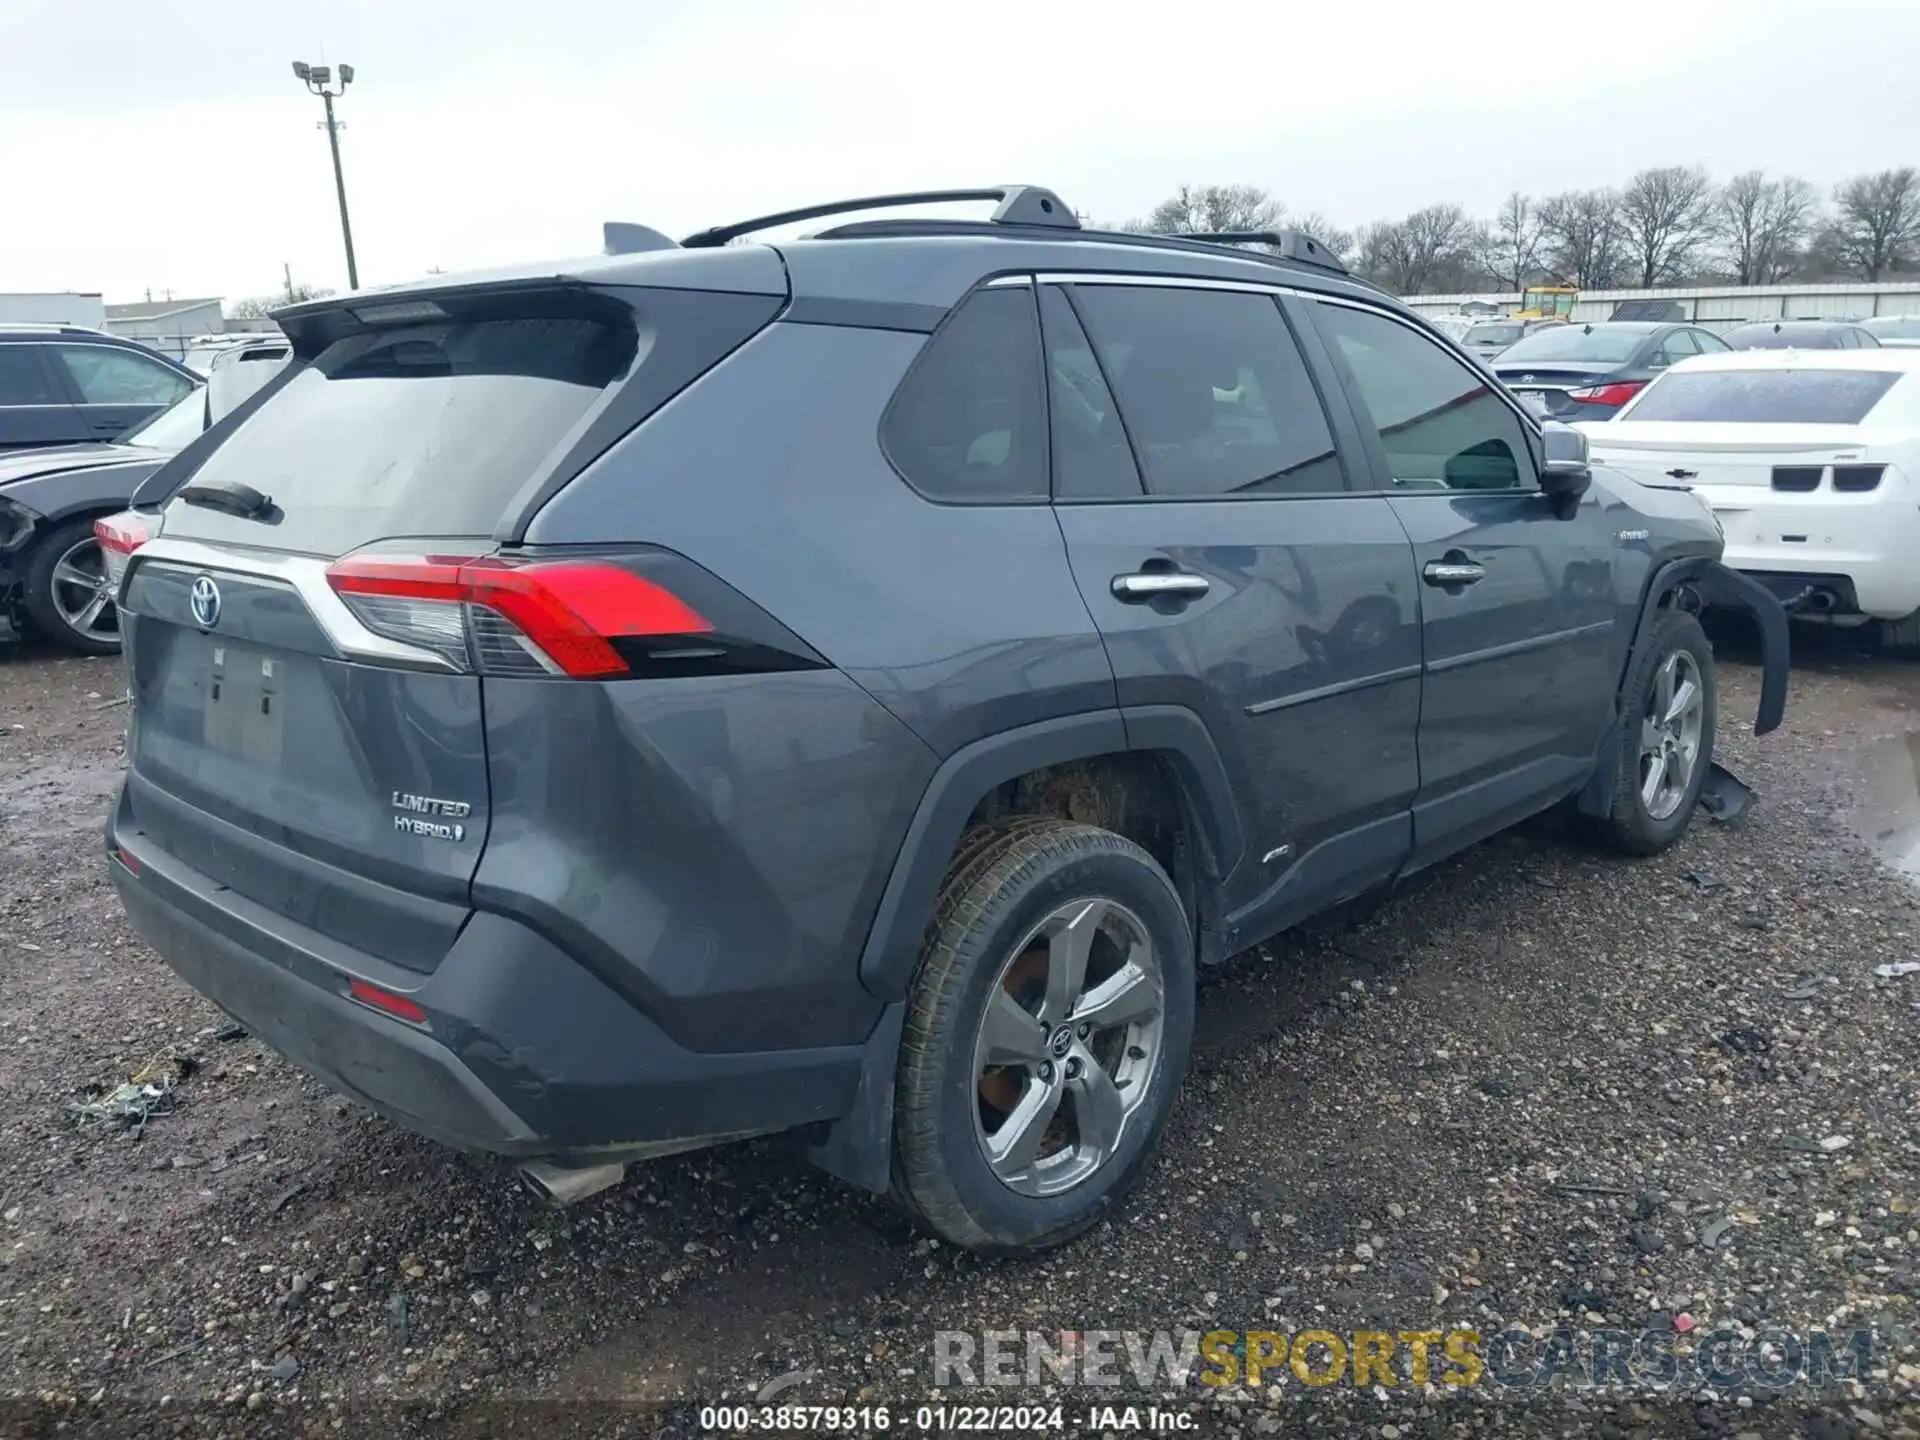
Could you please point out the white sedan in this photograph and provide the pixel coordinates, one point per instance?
(1810, 461)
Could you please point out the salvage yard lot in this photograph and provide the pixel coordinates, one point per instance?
(1380, 1131)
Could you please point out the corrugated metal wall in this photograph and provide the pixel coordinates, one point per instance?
(1721, 307)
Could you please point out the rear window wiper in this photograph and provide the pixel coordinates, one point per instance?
(229, 497)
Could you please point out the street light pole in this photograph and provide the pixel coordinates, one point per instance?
(320, 79)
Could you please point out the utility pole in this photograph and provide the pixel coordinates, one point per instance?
(321, 80)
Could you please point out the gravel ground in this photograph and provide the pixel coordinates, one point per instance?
(1539, 1088)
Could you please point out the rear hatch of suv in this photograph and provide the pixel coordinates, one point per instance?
(309, 632)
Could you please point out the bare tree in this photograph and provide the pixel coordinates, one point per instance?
(1420, 255)
(253, 307)
(1508, 250)
(1664, 218)
(1335, 241)
(1762, 226)
(1582, 238)
(1208, 208)
(1877, 227)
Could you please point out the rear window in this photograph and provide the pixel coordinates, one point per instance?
(1574, 342)
(1784, 337)
(1764, 397)
(1493, 334)
(423, 430)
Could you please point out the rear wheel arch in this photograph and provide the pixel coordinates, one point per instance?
(1080, 767)
(1044, 769)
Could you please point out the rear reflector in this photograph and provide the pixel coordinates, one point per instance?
(397, 1006)
(1799, 478)
(126, 858)
(507, 616)
(1616, 394)
(1857, 479)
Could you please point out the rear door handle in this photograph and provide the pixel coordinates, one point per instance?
(1453, 572)
(1145, 585)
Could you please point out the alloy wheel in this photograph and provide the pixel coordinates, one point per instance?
(1670, 735)
(1068, 1047)
(82, 594)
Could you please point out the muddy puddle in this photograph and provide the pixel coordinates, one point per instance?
(1886, 809)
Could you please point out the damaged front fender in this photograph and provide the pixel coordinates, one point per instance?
(1727, 589)
(1723, 796)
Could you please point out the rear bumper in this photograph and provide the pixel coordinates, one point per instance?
(523, 1053)
(1864, 543)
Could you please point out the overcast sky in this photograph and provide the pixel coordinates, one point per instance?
(165, 144)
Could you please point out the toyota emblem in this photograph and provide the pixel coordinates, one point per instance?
(204, 598)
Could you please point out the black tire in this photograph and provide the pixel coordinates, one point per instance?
(1004, 881)
(1632, 827)
(48, 622)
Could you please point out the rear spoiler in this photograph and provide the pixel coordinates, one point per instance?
(315, 324)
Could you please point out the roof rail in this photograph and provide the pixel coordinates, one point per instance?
(1019, 205)
(1292, 244)
(877, 229)
(51, 327)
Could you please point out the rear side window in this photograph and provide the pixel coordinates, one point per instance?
(24, 380)
(423, 430)
(1764, 397)
(1215, 394)
(107, 376)
(969, 422)
(1676, 347)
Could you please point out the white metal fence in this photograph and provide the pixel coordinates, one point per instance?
(1721, 307)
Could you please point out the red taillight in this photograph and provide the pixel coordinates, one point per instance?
(119, 536)
(123, 533)
(397, 1006)
(126, 858)
(1617, 393)
(568, 611)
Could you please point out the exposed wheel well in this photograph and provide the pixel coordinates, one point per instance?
(1132, 793)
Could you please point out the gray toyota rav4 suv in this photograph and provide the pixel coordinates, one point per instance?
(846, 686)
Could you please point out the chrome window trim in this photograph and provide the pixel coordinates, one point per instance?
(306, 576)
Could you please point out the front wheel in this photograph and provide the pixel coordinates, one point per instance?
(1672, 704)
(68, 597)
(1046, 1036)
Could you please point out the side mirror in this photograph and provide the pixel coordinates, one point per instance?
(1565, 469)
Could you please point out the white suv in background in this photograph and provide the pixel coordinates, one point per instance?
(1811, 462)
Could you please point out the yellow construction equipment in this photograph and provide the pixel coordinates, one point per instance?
(1547, 302)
